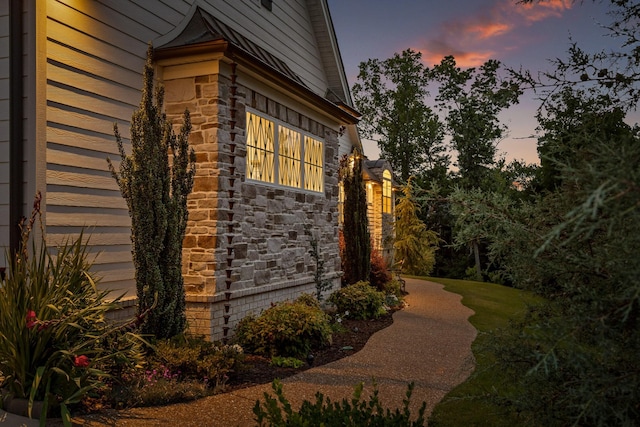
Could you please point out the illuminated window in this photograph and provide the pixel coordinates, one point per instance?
(289, 157)
(275, 153)
(313, 164)
(260, 148)
(386, 192)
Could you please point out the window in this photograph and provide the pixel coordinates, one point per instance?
(386, 192)
(313, 155)
(275, 153)
(260, 148)
(289, 157)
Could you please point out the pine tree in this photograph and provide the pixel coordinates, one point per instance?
(357, 251)
(415, 244)
(156, 192)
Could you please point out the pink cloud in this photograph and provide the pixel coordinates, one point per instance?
(479, 37)
(539, 11)
(436, 50)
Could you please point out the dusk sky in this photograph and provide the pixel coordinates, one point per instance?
(473, 31)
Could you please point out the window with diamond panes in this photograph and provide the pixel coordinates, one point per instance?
(313, 164)
(260, 148)
(289, 149)
(386, 192)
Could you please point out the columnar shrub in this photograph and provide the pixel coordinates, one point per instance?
(286, 329)
(156, 191)
(357, 243)
(359, 301)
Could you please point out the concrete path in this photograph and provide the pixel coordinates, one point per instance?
(429, 343)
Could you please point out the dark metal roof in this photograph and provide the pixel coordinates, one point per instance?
(204, 27)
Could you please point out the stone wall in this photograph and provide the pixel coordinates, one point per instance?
(247, 243)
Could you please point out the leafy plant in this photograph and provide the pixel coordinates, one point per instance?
(156, 191)
(393, 287)
(287, 362)
(55, 342)
(278, 412)
(322, 284)
(197, 358)
(285, 329)
(379, 274)
(157, 386)
(359, 301)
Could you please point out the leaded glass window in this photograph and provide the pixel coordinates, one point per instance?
(289, 149)
(276, 154)
(313, 164)
(386, 192)
(260, 148)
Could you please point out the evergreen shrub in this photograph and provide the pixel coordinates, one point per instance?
(290, 329)
(359, 301)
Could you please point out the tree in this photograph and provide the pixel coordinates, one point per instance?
(576, 360)
(415, 244)
(156, 192)
(357, 243)
(615, 72)
(473, 98)
(391, 96)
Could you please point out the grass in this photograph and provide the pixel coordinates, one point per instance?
(494, 306)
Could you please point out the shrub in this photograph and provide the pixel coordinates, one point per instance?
(179, 369)
(156, 386)
(393, 287)
(359, 301)
(285, 329)
(277, 411)
(287, 362)
(379, 274)
(197, 358)
(55, 342)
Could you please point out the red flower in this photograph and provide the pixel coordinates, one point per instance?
(31, 319)
(81, 361)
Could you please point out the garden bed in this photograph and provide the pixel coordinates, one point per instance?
(355, 335)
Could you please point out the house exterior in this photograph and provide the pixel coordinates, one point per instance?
(380, 187)
(271, 114)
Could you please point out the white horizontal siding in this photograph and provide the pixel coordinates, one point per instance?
(95, 55)
(286, 32)
(4, 128)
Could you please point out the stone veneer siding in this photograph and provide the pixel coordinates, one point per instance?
(247, 243)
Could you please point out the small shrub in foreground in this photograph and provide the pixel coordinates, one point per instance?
(359, 301)
(278, 412)
(286, 329)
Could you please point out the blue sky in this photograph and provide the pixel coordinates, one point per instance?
(473, 31)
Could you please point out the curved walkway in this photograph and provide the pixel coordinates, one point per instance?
(429, 343)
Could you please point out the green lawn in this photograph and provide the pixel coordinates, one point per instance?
(494, 307)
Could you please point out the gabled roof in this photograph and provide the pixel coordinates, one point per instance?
(329, 50)
(203, 33)
(204, 27)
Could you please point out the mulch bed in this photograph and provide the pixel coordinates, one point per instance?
(355, 335)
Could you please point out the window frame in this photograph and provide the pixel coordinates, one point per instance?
(276, 183)
(387, 192)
